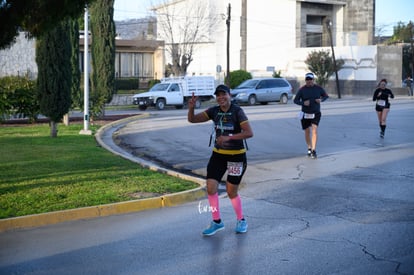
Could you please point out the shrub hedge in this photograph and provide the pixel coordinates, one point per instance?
(18, 98)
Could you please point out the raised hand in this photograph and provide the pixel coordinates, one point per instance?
(192, 101)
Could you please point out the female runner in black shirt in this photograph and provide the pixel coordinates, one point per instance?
(382, 106)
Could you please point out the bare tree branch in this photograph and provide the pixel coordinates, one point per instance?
(184, 25)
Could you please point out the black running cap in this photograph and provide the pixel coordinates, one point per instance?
(222, 88)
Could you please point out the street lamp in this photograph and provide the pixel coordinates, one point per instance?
(329, 26)
(85, 130)
(228, 46)
(410, 25)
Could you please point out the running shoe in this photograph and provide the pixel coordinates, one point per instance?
(241, 226)
(313, 154)
(382, 134)
(213, 229)
(309, 152)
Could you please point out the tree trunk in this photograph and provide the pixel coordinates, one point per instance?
(53, 129)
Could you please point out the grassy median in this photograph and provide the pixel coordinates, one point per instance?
(41, 174)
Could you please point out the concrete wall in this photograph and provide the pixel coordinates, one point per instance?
(389, 64)
(119, 100)
(364, 67)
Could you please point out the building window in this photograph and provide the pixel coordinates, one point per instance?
(313, 39)
(139, 65)
(314, 20)
(134, 65)
(314, 29)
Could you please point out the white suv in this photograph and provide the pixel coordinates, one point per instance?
(262, 90)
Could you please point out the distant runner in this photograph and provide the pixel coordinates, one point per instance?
(310, 97)
(382, 106)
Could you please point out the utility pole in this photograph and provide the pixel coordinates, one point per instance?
(329, 26)
(243, 34)
(86, 130)
(228, 46)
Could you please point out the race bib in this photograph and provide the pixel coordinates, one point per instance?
(308, 116)
(234, 168)
(381, 102)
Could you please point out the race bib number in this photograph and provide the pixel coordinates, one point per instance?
(308, 116)
(234, 168)
(381, 102)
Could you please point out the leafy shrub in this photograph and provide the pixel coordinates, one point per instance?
(277, 74)
(18, 97)
(126, 83)
(237, 77)
(321, 64)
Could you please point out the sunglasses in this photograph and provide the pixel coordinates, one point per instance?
(308, 78)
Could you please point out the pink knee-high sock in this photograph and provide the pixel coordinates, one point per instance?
(214, 206)
(237, 205)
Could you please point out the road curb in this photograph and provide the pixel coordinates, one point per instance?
(114, 208)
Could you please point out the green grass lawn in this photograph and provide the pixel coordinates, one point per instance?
(41, 174)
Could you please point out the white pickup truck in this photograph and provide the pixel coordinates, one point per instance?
(176, 91)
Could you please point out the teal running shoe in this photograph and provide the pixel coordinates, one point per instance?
(241, 226)
(213, 229)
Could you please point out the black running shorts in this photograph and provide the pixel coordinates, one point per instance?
(234, 165)
(379, 108)
(307, 122)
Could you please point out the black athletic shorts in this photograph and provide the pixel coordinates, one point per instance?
(234, 165)
(307, 122)
(379, 108)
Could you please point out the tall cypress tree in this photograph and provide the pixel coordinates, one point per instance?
(103, 55)
(76, 94)
(53, 54)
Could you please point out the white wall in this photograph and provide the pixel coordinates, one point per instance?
(271, 34)
(360, 62)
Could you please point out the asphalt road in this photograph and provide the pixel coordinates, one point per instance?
(351, 211)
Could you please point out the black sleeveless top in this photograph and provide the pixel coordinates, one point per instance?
(227, 124)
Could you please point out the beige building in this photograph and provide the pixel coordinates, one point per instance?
(141, 59)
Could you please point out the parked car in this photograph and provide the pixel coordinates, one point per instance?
(263, 91)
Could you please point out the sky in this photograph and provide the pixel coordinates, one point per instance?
(131, 9)
(387, 14)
